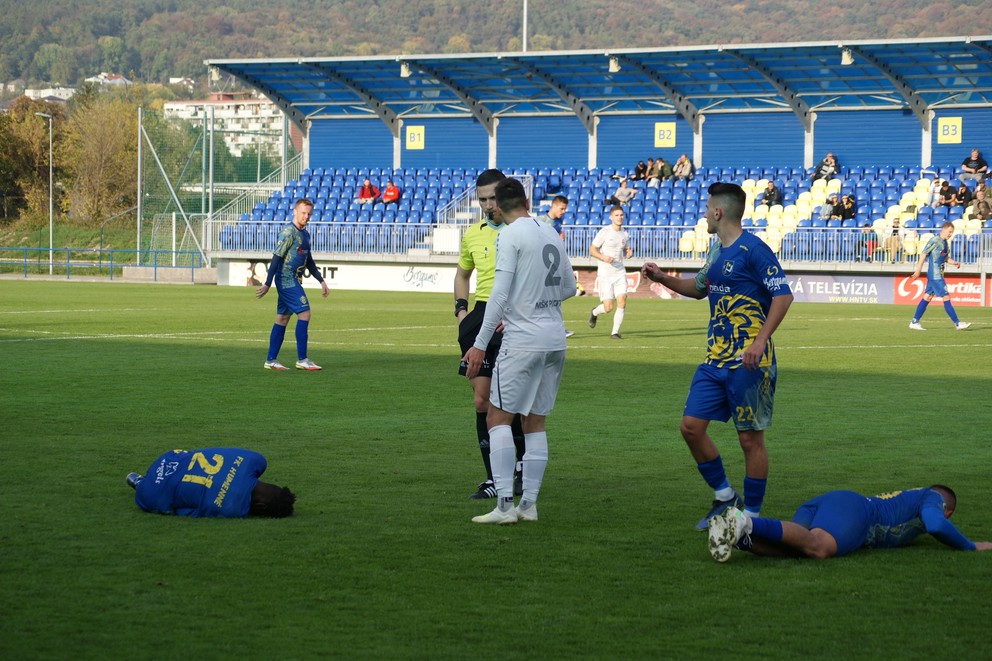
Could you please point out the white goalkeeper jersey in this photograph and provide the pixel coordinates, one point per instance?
(533, 277)
(613, 244)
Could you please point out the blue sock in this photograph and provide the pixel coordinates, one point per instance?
(301, 338)
(921, 307)
(754, 494)
(275, 340)
(949, 309)
(712, 471)
(770, 529)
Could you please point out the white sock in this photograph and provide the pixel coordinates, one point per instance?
(502, 457)
(598, 310)
(724, 494)
(617, 320)
(535, 461)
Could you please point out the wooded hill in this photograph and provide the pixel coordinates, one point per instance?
(59, 42)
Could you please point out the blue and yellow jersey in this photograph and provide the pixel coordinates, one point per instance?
(936, 252)
(201, 483)
(740, 281)
(898, 517)
(293, 245)
(478, 252)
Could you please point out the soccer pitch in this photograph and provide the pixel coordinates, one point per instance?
(381, 559)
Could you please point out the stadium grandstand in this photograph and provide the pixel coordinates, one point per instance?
(897, 114)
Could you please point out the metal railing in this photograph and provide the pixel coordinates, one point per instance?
(79, 262)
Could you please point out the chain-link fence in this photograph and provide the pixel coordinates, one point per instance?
(200, 164)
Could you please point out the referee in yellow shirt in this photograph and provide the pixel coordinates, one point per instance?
(478, 254)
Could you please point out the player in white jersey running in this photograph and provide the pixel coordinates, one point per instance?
(533, 277)
(609, 248)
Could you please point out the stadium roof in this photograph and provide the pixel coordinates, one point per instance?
(919, 75)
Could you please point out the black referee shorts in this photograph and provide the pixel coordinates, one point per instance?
(468, 330)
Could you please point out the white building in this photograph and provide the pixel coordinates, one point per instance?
(63, 93)
(244, 121)
(111, 79)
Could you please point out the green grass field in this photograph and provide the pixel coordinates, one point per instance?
(382, 561)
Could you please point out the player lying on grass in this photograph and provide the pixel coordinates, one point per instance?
(839, 522)
(219, 482)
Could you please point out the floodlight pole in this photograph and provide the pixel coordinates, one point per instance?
(51, 198)
(525, 26)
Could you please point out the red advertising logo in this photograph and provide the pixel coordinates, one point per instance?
(963, 291)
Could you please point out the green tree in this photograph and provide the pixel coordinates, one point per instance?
(101, 150)
(24, 158)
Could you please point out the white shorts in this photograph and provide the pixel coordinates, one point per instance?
(526, 382)
(611, 286)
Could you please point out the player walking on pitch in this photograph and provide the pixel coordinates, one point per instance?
(289, 260)
(936, 254)
(609, 247)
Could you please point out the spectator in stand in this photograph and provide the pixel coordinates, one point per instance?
(827, 208)
(867, 244)
(981, 208)
(684, 169)
(771, 195)
(847, 207)
(837, 213)
(826, 169)
(649, 171)
(934, 192)
(622, 195)
(981, 187)
(945, 196)
(390, 194)
(640, 170)
(666, 169)
(892, 245)
(973, 167)
(653, 176)
(963, 196)
(368, 193)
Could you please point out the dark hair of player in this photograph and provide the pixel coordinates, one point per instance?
(491, 176)
(271, 501)
(510, 195)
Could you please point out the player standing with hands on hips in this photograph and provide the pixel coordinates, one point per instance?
(533, 276)
(289, 260)
(749, 296)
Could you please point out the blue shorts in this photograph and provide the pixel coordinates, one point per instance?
(843, 514)
(936, 287)
(747, 396)
(292, 300)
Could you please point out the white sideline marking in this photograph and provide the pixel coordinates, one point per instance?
(72, 310)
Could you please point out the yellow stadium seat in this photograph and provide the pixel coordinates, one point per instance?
(834, 185)
(819, 184)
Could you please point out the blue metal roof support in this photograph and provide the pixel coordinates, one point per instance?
(915, 101)
(686, 108)
(382, 111)
(291, 111)
(980, 46)
(581, 110)
(481, 113)
(799, 107)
